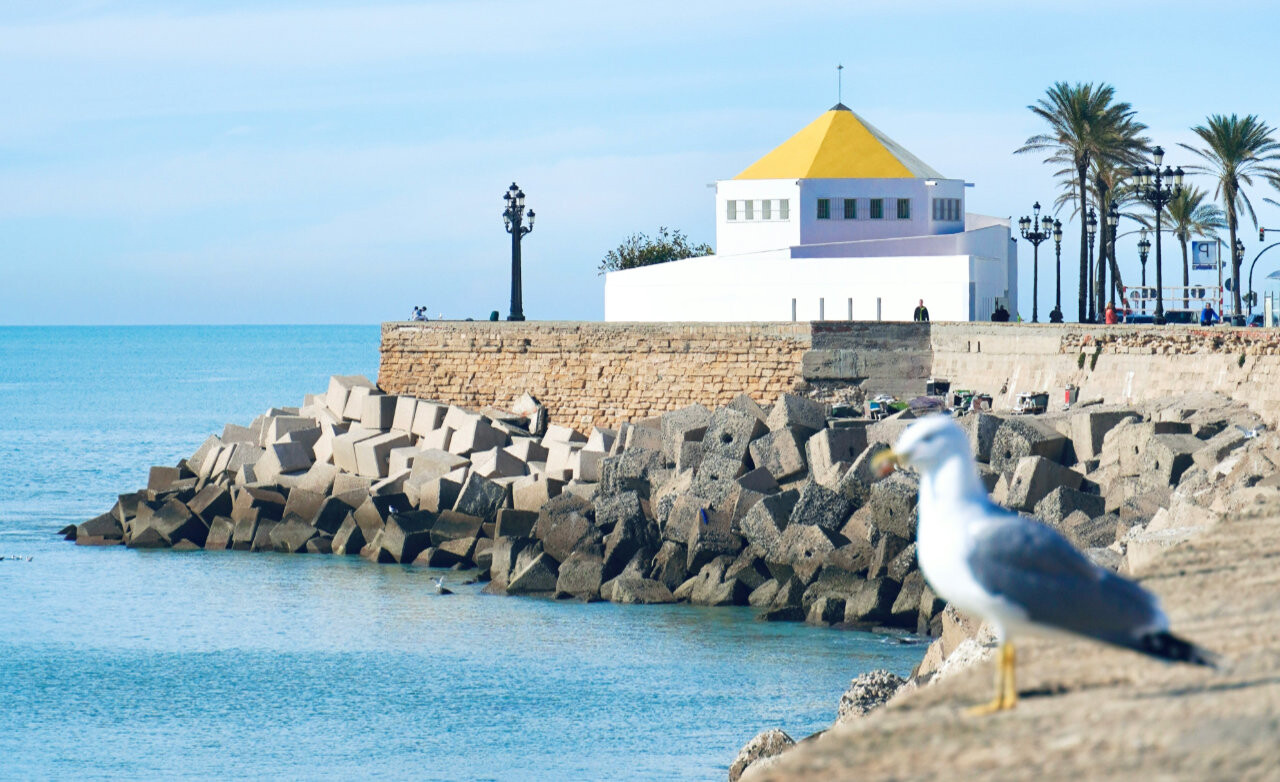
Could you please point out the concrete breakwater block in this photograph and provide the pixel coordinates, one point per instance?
(772, 507)
(797, 413)
(427, 417)
(373, 454)
(378, 411)
(340, 390)
(280, 459)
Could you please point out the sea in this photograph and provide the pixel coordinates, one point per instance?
(142, 665)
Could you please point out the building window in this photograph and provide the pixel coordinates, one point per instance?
(946, 209)
(784, 209)
(750, 211)
(824, 208)
(766, 212)
(851, 209)
(876, 210)
(731, 210)
(904, 208)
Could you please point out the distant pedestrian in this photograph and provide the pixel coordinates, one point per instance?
(1109, 316)
(1207, 316)
(1000, 315)
(921, 314)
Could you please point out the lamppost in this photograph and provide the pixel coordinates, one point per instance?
(1091, 229)
(1035, 230)
(1113, 223)
(513, 217)
(1150, 187)
(1056, 315)
(1238, 318)
(1144, 248)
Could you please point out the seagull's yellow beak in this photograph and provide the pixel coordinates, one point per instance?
(885, 462)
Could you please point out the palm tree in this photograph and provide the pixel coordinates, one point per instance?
(1109, 183)
(1236, 149)
(1189, 216)
(1084, 125)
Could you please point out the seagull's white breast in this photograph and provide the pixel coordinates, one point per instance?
(944, 543)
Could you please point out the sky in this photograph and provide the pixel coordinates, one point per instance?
(341, 162)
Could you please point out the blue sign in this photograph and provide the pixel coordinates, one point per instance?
(1204, 255)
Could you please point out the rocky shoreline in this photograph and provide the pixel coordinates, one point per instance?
(773, 507)
(1172, 474)
(740, 505)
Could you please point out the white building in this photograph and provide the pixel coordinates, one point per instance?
(839, 222)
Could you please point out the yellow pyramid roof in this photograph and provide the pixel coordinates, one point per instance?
(839, 145)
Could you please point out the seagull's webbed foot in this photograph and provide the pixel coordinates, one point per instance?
(1006, 690)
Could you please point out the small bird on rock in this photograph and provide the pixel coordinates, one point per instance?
(1016, 573)
(441, 589)
(1250, 434)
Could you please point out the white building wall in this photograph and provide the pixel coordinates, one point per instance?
(745, 236)
(760, 287)
(802, 225)
(837, 229)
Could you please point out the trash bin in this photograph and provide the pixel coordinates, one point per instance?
(1072, 394)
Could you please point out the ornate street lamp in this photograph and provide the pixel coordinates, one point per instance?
(1035, 230)
(513, 217)
(1113, 222)
(1144, 248)
(1091, 229)
(1056, 315)
(1150, 186)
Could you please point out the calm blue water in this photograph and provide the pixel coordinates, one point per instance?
(162, 665)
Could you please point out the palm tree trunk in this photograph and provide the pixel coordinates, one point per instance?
(1082, 177)
(1186, 273)
(1100, 279)
(1230, 194)
(1118, 281)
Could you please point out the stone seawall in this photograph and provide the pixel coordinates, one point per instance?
(588, 374)
(1115, 363)
(602, 374)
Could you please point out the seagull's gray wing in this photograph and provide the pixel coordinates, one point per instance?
(1032, 566)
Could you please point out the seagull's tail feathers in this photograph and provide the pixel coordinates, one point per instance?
(1167, 646)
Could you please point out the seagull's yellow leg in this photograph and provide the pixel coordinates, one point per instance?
(1006, 690)
(1010, 693)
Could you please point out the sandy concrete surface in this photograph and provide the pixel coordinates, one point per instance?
(1092, 712)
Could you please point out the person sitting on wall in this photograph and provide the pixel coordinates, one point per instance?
(1000, 315)
(1109, 316)
(921, 314)
(1207, 315)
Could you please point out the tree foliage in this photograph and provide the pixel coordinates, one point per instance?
(1086, 125)
(1234, 150)
(639, 249)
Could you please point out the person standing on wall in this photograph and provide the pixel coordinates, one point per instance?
(922, 313)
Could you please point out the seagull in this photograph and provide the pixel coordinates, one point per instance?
(441, 589)
(1250, 434)
(1018, 574)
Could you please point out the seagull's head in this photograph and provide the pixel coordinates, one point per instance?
(925, 445)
